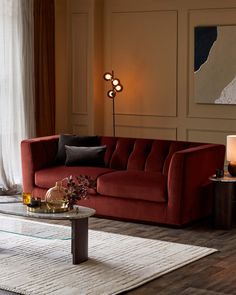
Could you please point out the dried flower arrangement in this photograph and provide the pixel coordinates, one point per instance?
(78, 187)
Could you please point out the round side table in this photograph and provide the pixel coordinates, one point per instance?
(224, 192)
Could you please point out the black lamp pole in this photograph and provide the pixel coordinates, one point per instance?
(113, 109)
(113, 115)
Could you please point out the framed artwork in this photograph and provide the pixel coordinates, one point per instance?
(215, 64)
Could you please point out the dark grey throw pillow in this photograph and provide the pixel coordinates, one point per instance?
(85, 156)
(73, 140)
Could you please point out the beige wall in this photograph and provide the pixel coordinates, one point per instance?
(149, 45)
(63, 108)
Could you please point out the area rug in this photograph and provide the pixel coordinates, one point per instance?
(35, 259)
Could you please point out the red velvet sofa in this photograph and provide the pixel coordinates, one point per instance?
(154, 181)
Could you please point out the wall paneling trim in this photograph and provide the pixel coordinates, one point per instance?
(149, 45)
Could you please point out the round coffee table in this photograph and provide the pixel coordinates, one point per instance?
(79, 225)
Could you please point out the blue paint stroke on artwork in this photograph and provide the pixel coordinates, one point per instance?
(204, 37)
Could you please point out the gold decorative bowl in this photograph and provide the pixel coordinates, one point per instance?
(44, 208)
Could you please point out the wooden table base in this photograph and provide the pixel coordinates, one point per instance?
(79, 240)
(224, 195)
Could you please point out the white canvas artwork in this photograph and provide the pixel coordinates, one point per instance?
(215, 65)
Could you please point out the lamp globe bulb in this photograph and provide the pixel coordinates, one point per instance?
(119, 88)
(111, 93)
(107, 76)
(115, 82)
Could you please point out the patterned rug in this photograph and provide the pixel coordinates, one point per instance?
(35, 259)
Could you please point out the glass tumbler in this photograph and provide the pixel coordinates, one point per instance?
(26, 198)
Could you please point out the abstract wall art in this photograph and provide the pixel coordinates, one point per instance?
(215, 64)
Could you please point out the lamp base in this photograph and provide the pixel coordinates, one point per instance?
(232, 168)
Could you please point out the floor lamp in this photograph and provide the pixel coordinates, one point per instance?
(116, 87)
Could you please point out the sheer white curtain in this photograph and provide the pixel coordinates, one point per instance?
(16, 88)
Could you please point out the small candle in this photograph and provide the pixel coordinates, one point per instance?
(35, 202)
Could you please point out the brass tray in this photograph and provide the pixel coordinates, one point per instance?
(44, 209)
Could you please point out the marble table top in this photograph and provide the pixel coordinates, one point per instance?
(21, 210)
(10, 199)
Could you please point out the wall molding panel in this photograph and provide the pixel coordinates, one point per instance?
(146, 132)
(150, 46)
(212, 136)
(140, 72)
(79, 26)
(80, 129)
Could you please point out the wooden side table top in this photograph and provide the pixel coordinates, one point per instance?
(226, 178)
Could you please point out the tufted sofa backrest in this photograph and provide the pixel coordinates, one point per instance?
(142, 154)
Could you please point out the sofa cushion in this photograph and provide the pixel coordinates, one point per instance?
(141, 150)
(157, 156)
(46, 178)
(110, 143)
(120, 156)
(73, 140)
(85, 156)
(134, 184)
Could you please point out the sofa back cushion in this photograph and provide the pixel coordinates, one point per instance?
(157, 156)
(151, 155)
(110, 143)
(121, 154)
(139, 154)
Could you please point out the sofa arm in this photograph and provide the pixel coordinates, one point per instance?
(36, 153)
(189, 197)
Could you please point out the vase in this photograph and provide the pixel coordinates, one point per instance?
(56, 197)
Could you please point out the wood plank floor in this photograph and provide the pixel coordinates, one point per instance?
(211, 275)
